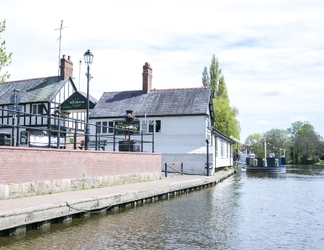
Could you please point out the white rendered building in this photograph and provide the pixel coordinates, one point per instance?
(181, 120)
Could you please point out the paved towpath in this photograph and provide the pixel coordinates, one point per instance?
(17, 207)
(21, 203)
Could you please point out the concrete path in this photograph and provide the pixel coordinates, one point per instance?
(22, 211)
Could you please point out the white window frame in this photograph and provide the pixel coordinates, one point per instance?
(154, 125)
(222, 148)
(36, 108)
(103, 127)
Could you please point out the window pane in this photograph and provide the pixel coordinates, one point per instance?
(40, 108)
(34, 109)
(222, 148)
(111, 124)
(98, 127)
(151, 126)
(104, 127)
(158, 126)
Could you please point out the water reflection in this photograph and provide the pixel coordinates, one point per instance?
(306, 169)
(296, 170)
(197, 220)
(264, 174)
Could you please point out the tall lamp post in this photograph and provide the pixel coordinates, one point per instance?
(15, 99)
(88, 57)
(57, 113)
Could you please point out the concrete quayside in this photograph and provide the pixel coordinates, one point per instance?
(39, 212)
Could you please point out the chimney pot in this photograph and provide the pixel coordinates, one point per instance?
(147, 78)
(66, 68)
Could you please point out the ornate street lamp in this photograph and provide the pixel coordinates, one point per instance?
(88, 58)
(57, 113)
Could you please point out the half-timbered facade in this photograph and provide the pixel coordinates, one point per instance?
(31, 111)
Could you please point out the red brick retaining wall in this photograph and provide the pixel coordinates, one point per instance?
(92, 168)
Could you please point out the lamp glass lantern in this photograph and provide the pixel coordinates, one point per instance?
(88, 57)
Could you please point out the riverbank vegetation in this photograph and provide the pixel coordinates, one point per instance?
(300, 143)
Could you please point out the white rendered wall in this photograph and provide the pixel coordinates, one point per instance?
(192, 163)
(181, 134)
(183, 139)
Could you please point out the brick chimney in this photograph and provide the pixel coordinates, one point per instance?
(147, 78)
(66, 68)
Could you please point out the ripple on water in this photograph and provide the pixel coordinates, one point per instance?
(242, 212)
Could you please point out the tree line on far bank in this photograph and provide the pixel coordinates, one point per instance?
(300, 143)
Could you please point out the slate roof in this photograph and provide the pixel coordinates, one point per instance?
(93, 101)
(164, 102)
(32, 90)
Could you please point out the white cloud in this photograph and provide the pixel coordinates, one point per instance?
(262, 122)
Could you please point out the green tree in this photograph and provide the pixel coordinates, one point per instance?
(276, 141)
(5, 59)
(294, 150)
(305, 145)
(255, 144)
(225, 118)
(215, 74)
(221, 91)
(225, 115)
(295, 127)
(205, 78)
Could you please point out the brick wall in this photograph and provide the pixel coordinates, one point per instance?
(30, 171)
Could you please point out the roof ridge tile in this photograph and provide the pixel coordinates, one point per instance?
(189, 88)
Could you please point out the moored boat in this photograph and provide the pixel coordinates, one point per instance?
(266, 164)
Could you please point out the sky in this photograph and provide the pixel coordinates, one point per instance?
(271, 53)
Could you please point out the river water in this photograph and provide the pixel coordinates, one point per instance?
(245, 211)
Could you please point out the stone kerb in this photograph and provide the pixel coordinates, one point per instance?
(27, 171)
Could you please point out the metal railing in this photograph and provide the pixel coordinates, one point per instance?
(170, 165)
(71, 130)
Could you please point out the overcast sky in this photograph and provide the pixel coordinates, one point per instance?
(270, 52)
